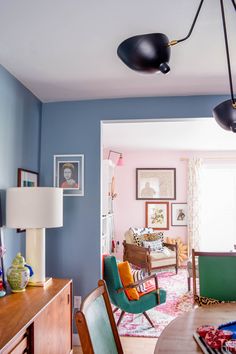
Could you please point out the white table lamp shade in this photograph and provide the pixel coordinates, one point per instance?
(34, 207)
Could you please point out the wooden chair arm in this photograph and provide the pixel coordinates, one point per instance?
(137, 283)
(134, 248)
(172, 246)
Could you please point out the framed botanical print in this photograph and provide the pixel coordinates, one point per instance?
(179, 214)
(69, 174)
(156, 183)
(157, 215)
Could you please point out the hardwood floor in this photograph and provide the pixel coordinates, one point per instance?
(131, 345)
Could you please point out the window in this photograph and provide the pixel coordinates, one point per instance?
(218, 214)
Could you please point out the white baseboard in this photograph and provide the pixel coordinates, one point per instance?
(75, 339)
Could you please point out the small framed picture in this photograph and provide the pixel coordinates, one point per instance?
(69, 174)
(156, 183)
(157, 215)
(26, 178)
(179, 214)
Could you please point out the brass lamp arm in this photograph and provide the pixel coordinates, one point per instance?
(175, 41)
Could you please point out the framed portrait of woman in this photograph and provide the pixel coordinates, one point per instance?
(69, 174)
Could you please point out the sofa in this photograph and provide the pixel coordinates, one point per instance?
(147, 249)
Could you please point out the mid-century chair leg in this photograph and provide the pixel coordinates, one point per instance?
(116, 309)
(151, 323)
(120, 318)
(189, 283)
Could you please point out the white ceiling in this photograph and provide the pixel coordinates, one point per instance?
(66, 50)
(202, 134)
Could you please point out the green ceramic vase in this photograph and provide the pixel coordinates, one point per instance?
(18, 274)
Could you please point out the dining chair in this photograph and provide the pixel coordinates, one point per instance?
(96, 325)
(217, 275)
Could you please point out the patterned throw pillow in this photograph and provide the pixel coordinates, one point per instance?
(135, 230)
(146, 230)
(139, 275)
(150, 237)
(138, 240)
(154, 245)
(140, 230)
(153, 236)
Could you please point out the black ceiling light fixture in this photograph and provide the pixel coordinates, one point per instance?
(149, 53)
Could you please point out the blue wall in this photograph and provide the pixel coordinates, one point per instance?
(20, 114)
(71, 128)
(74, 128)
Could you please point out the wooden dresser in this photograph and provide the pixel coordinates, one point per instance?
(38, 320)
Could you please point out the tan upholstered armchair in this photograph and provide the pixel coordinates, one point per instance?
(146, 259)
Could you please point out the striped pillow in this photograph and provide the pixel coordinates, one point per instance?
(139, 275)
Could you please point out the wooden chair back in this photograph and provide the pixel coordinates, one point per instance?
(217, 275)
(96, 325)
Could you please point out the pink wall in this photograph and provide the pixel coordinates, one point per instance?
(131, 212)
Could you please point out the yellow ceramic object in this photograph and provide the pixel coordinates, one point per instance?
(18, 274)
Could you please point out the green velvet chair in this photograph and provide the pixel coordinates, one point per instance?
(119, 298)
(217, 275)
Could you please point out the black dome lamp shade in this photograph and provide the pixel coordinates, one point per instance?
(225, 115)
(149, 53)
(146, 53)
(225, 112)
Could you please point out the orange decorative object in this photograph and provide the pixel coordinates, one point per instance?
(182, 248)
(127, 279)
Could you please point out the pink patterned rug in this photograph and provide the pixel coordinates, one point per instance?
(178, 301)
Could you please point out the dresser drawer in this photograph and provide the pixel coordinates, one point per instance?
(19, 345)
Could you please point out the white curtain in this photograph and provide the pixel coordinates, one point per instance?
(194, 203)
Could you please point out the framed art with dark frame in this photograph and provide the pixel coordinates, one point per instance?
(157, 215)
(69, 174)
(27, 178)
(179, 214)
(156, 183)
